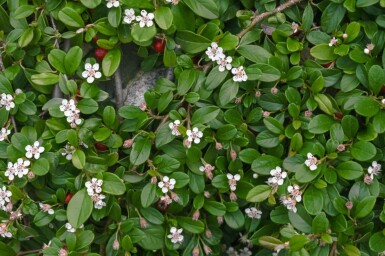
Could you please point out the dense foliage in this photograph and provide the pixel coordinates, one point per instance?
(269, 140)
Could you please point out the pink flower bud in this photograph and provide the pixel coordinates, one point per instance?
(349, 205)
(187, 143)
(274, 90)
(62, 252)
(218, 146)
(196, 251)
(115, 245)
(368, 180)
(174, 196)
(9, 207)
(208, 233)
(266, 113)
(207, 194)
(128, 143)
(308, 113)
(344, 35)
(207, 249)
(196, 215)
(143, 106)
(233, 196)
(143, 223)
(341, 147)
(220, 220)
(258, 94)
(30, 175)
(233, 155)
(154, 180)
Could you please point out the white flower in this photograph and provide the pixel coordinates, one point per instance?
(91, 72)
(5, 197)
(145, 19)
(4, 231)
(18, 91)
(289, 203)
(166, 199)
(34, 151)
(94, 186)
(7, 101)
(311, 162)
(175, 2)
(112, 3)
(46, 208)
(74, 118)
(129, 16)
(174, 127)
(21, 167)
(253, 213)
(176, 235)
(294, 27)
(295, 193)
(375, 169)
(166, 184)
(232, 180)
(4, 133)
(68, 151)
(369, 48)
(239, 74)
(214, 52)
(67, 106)
(98, 199)
(225, 63)
(70, 228)
(232, 252)
(194, 135)
(11, 171)
(278, 176)
(245, 252)
(333, 41)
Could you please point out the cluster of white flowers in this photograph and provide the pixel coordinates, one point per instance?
(46, 208)
(5, 198)
(34, 150)
(176, 235)
(145, 19)
(7, 101)
(174, 127)
(94, 190)
(278, 177)
(68, 107)
(289, 203)
(232, 180)
(91, 72)
(311, 162)
(68, 151)
(4, 231)
(19, 169)
(242, 252)
(295, 192)
(373, 170)
(112, 3)
(253, 213)
(4, 132)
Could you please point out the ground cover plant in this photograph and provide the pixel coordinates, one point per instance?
(269, 141)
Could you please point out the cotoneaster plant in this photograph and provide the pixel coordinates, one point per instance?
(268, 141)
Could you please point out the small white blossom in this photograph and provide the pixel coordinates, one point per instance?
(21, 167)
(7, 101)
(129, 16)
(18, 91)
(294, 27)
(344, 36)
(68, 151)
(375, 169)
(369, 48)
(98, 200)
(194, 135)
(4, 231)
(174, 127)
(166, 184)
(34, 151)
(289, 203)
(11, 171)
(278, 176)
(70, 228)
(232, 252)
(253, 213)
(176, 235)
(4, 133)
(166, 199)
(112, 3)
(225, 63)
(333, 41)
(67, 106)
(145, 19)
(5, 197)
(74, 118)
(239, 74)
(214, 52)
(207, 169)
(94, 186)
(232, 180)
(91, 72)
(311, 162)
(174, 2)
(46, 208)
(245, 252)
(62, 252)
(295, 193)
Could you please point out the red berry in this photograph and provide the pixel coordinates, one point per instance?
(100, 53)
(68, 198)
(327, 65)
(101, 147)
(158, 45)
(338, 116)
(383, 89)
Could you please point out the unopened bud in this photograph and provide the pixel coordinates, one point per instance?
(220, 220)
(308, 113)
(128, 143)
(368, 180)
(196, 215)
(18, 91)
(143, 223)
(30, 175)
(187, 143)
(349, 205)
(208, 233)
(62, 252)
(233, 196)
(143, 106)
(341, 147)
(9, 207)
(255, 175)
(233, 155)
(207, 194)
(196, 251)
(207, 249)
(218, 146)
(258, 94)
(238, 100)
(344, 35)
(274, 90)
(154, 180)
(80, 30)
(174, 196)
(266, 113)
(115, 245)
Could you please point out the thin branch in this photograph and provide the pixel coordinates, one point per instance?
(265, 15)
(14, 123)
(2, 68)
(29, 252)
(118, 88)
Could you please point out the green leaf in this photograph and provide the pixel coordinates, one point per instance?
(366, 3)
(273, 125)
(40, 167)
(376, 242)
(152, 215)
(228, 92)
(191, 42)
(163, 17)
(254, 53)
(111, 62)
(265, 163)
(205, 115)
(349, 170)
(301, 220)
(320, 224)
(87, 106)
(364, 207)
(235, 220)
(112, 184)
(215, 208)
(376, 78)
(115, 16)
(186, 80)
(181, 178)
(324, 103)
(72, 60)
(79, 159)
(140, 151)
(26, 38)
(90, 3)
(79, 208)
(205, 8)
(258, 194)
(269, 73)
(7, 250)
(148, 195)
(153, 238)
(190, 225)
(352, 30)
(379, 122)
(323, 52)
(363, 151)
(23, 11)
(215, 78)
(332, 16)
(313, 200)
(143, 34)
(226, 132)
(109, 116)
(320, 124)
(56, 59)
(297, 242)
(229, 41)
(70, 17)
(45, 79)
